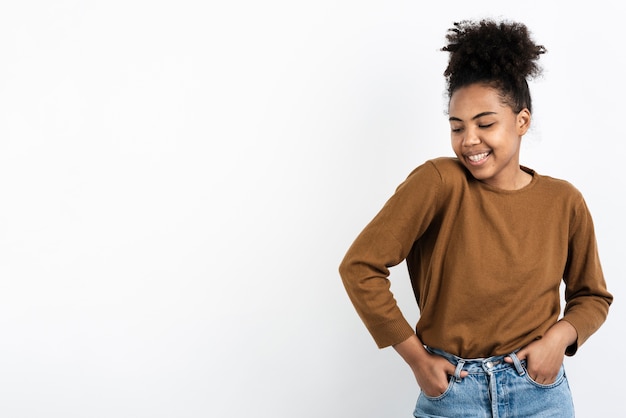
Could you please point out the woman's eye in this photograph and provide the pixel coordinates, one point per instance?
(456, 130)
(485, 126)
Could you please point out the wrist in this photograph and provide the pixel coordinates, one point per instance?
(412, 351)
(562, 333)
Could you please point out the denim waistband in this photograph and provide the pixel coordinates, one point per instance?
(486, 365)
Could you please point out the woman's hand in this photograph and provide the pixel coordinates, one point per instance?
(544, 357)
(433, 374)
(431, 371)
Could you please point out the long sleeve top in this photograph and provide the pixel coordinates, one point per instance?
(485, 264)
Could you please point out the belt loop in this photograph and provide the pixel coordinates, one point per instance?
(518, 364)
(457, 371)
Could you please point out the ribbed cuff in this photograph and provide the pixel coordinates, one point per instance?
(392, 332)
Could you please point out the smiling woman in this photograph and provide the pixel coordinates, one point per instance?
(487, 134)
(180, 179)
(489, 340)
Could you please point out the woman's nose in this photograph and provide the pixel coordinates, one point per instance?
(471, 138)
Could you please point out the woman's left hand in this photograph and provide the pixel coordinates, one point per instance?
(544, 357)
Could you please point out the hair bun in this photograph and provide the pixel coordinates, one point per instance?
(490, 51)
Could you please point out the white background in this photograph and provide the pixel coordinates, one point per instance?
(179, 181)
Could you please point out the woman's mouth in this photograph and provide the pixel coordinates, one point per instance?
(478, 158)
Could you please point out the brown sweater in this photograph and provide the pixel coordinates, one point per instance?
(485, 264)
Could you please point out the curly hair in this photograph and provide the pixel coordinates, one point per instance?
(501, 55)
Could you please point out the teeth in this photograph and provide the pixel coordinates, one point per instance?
(477, 157)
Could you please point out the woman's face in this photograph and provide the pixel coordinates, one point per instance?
(486, 136)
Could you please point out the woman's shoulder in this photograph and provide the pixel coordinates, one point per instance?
(438, 175)
(443, 167)
(559, 194)
(557, 185)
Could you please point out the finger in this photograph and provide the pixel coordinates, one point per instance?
(451, 371)
(521, 355)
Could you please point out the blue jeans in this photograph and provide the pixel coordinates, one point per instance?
(495, 389)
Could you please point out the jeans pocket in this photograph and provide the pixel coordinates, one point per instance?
(444, 394)
(560, 377)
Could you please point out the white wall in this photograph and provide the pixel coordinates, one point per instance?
(180, 180)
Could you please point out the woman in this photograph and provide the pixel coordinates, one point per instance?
(487, 242)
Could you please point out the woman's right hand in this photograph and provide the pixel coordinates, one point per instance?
(431, 371)
(433, 374)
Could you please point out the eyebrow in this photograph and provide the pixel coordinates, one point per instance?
(480, 115)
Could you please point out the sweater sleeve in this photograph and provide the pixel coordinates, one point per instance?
(386, 242)
(586, 295)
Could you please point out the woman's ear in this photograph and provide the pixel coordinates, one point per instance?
(523, 121)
